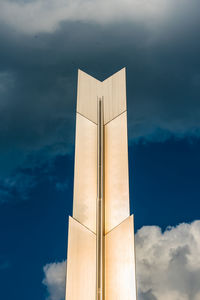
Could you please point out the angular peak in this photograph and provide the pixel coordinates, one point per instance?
(120, 72)
(113, 89)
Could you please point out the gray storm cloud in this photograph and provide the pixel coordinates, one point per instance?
(168, 265)
(45, 15)
(43, 43)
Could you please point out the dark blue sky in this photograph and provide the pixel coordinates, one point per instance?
(164, 190)
(39, 59)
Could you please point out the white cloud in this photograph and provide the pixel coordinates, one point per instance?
(45, 15)
(168, 265)
(55, 280)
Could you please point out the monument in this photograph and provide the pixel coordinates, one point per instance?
(101, 255)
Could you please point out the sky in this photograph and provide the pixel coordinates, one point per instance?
(43, 43)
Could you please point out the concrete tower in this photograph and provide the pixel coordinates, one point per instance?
(101, 255)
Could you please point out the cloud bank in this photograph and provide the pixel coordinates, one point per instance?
(45, 15)
(168, 265)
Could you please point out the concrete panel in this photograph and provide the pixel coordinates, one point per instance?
(120, 282)
(85, 173)
(81, 263)
(114, 92)
(116, 172)
(88, 90)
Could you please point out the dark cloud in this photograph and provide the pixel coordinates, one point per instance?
(16, 186)
(147, 296)
(38, 73)
(4, 263)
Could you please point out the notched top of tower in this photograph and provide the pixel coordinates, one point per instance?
(112, 89)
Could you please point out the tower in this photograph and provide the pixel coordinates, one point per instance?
(101, 255)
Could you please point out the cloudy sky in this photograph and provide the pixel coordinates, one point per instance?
(42, 45)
